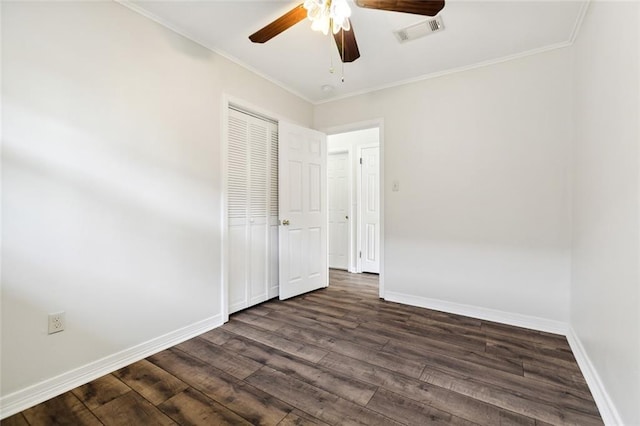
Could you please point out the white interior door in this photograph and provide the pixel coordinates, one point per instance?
(303, 209)
(338, 178)
(370, 210)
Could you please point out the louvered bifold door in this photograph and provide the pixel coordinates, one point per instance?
(273, 267)
(251, 193)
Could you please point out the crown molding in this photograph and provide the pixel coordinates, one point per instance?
(134, 7)
(572, 37)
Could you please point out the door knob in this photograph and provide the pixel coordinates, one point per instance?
(285, 222)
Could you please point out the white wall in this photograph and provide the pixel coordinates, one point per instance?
(350, 142)
(482, 217)
(605, 304)
(111, 182)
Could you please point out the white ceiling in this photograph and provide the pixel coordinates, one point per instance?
(476, 32)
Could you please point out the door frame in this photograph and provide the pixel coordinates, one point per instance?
(362, 125)
(352, 214)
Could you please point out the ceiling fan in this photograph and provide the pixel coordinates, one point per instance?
(334, 15)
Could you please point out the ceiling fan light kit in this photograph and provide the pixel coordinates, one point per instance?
(328, 14)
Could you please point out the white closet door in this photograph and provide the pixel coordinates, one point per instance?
(258, 164)
(273, 216)
(237, 205)
(252, 214)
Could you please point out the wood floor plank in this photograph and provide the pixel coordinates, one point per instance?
(443, 399)
(308, 304)
(301, 350)
(217, 336)
(65, 409)
(300, 418)
(556, 412)
(432, 317)
(235, 364)
(318, 338)
(339, 384)
(401, 342)
(131, 409)
(435, 356)
(315, 401)
(100, 391)
(520, 385)
(262, 321)
(462, 340)
(447, 318)
(351, 306)
(150, 381)
(295, 420)
(255, 406)
(304, 312)
(260, 310)
(408, 367)
(355, 335)
(523, 350)
(191, 407)
(15, 420)
(410, 412)
(436, 328)
(559, 376)
(547, 339)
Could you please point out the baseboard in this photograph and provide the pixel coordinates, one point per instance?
(607, 409)
(518, 320)
(18, 401)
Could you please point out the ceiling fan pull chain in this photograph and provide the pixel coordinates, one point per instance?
(342, 61)
(331, 69)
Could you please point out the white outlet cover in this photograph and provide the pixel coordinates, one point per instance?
(56, 322)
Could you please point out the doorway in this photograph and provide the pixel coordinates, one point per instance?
(354, 176)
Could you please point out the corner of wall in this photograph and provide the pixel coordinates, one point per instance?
(607, 409)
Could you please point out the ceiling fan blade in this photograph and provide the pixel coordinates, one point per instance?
(418, 7)
(351, 51)
(284, 22)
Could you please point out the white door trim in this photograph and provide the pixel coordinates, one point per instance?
(368, 124)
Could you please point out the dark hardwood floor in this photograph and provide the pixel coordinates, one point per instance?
(339, 356)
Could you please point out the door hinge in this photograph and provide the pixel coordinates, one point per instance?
(360, 160)
(360, 255)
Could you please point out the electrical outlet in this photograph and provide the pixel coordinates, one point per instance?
(56, 322)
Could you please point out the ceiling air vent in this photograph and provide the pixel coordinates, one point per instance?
(421, 29)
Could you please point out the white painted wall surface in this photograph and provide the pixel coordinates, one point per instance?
(605, 303)
(482, 217)
(111, 181)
